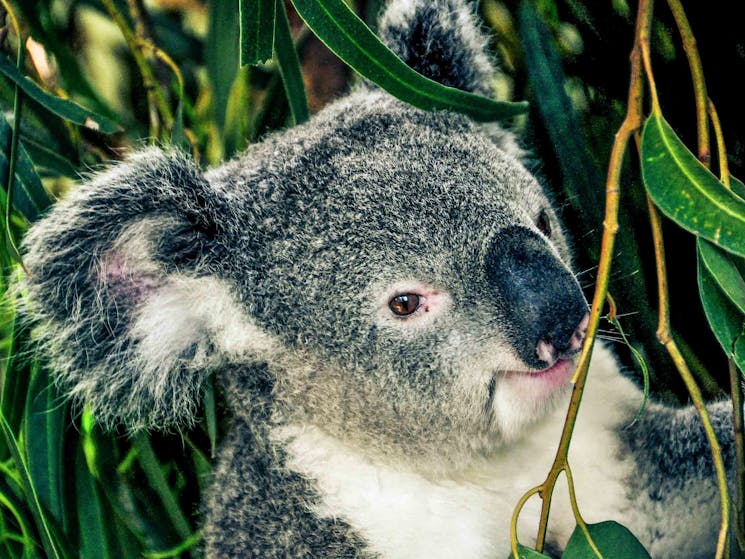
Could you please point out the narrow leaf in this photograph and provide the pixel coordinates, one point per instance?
(221, 54)
(687, 192)
(47, 158)
(51, 546)
(351, 40)
(289, 66)
(724, 318)
(60, 107)
(613, 540)
(257, 30)
(725, 271)
(90, 512)
(44, 428)
(30, 198)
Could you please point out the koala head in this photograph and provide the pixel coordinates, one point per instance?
(394, 276)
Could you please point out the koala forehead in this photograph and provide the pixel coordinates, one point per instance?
(373, 178)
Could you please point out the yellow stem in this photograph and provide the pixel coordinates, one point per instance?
(721, 147)
(663, 335)
(515, 514)
(697, 75)
(631, 123)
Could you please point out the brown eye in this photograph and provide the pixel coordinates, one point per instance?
(544, 223)
(405, 304)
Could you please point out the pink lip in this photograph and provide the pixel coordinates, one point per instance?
(553, 376)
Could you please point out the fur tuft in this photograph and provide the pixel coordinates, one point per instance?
(440, 39)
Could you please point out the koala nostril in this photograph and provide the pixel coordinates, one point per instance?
(545, 351)
(548, 350)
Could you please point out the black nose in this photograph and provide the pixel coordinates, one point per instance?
(541, 300)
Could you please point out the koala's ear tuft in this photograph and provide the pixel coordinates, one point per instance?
(125, 290)
(440, 39)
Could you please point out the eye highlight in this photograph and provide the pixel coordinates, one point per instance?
(543, 222)
(404, 304)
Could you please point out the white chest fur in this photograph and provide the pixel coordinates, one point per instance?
(405, 515)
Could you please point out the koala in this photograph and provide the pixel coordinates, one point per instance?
(386, 297)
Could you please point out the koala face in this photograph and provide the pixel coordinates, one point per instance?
(417, 277)
(398, 273)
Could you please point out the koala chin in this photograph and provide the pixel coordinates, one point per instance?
(386, 297)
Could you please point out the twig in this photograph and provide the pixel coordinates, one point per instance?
(631, 123)
(697, 75)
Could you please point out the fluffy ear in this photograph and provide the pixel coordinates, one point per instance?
(123, 284)
(443, 40)
(440, 39)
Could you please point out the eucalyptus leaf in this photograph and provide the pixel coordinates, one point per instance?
(687, 192)
(724, 319)
(350, 39)
(257, 30)
(61, 107)
(725, 271)
(613, 540)
(289, 66)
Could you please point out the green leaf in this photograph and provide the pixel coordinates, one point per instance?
(47, 158)
(725, 320)
(687, 192)
(257, 30)
(725, 270)
(352, 41)
(289, 66)
(613, 540)
(58, 106)
(52, 546)
(527, 553)
(90, 511)
(44, 429)
(737, 187)
(221, 54)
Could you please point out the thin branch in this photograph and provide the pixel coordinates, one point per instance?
(630, 125)
(697, 75)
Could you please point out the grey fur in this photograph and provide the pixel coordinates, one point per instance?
(274, 269)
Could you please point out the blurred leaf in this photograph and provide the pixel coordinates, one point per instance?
(687, 192)
(61, 107)
(90, 512)
(257, 30)
(289, 66)
(157, 480)
(46, 158)
(351, 40)
(613, 540)
(527, 553)
(49, 536)
(44, 428)
(222, 53)
(582, 176)
(30, 198)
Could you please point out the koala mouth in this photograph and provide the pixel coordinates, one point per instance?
(557, 374)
